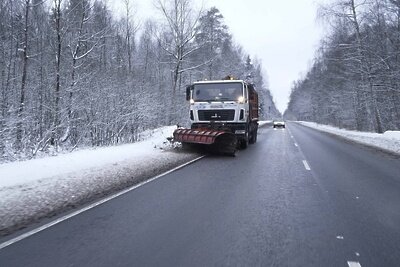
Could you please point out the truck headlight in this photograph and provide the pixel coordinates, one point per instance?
(241, 99)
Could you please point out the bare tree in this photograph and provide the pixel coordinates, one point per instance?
(177, 42)
(81, 44)
(130, 30)
(57, 12)
(181, 23)
(25, 58)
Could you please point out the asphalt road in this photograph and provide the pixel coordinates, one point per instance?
(296, 198)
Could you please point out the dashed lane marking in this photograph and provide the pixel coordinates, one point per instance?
(306, 165)
(68, 216)
(354, 264)
(296, 144)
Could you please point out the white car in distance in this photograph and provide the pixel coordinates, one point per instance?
(279, 124)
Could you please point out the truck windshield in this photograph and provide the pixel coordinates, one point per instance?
(217, 91)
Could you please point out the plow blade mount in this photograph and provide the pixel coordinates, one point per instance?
(218, 141)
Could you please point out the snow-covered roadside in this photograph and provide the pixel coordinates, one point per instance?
(389, 141)
(33, 189)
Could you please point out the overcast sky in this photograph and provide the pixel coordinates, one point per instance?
(283, 34)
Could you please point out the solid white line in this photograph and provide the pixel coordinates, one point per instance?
(306, 165)
(68, 216)
(354, 264)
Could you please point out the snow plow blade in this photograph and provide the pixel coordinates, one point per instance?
(216, 141)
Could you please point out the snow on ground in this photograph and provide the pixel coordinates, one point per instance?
(33, 189)
(390, 140)
(16, 173)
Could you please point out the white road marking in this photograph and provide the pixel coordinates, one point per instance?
(68, 216)
(296, 144)
(340, 237)
(354, 264)
(306, 165)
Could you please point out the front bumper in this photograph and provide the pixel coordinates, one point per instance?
(236, 128)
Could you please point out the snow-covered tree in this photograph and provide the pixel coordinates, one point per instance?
(354, 81)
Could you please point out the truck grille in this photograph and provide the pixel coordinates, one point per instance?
(217, 115)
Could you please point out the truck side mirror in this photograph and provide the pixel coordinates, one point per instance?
(188, 89)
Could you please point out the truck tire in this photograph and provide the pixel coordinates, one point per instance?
(244, 143)
(253, 138)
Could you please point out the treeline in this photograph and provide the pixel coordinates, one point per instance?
(73, 75)
(354, 81)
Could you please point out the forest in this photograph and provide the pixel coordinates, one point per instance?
(354, 80)
(75, 75)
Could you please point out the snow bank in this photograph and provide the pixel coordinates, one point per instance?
(390, 140)
(33, 189)
(16, 173)
(392, 134)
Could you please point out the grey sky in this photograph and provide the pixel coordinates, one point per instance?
(283, 34)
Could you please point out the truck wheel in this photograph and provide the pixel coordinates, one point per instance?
(253, 138)
(244, 142)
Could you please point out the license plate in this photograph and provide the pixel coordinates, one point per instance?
(216, 106)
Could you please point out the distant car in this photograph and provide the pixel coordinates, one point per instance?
(279, 124)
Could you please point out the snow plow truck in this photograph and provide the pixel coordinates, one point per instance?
(223, 115)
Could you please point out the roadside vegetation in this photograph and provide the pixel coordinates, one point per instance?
(354, 81)
(73, 74)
